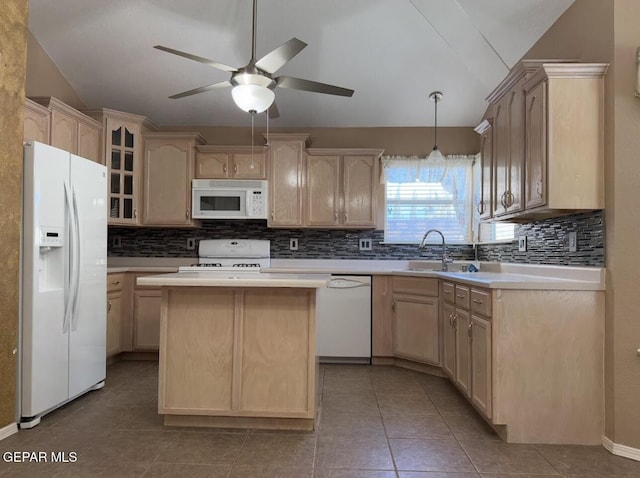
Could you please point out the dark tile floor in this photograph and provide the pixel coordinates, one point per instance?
(374, 422)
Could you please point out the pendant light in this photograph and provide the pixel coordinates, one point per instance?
(435, 96)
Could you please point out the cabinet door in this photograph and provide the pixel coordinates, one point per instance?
(508, 144)
(146, 319)
(323, 191)
(286, 184)
(359, 190)
(249, 166)
(381, 316)
(536, 146)
(212, 165)
(89, 142)
(123, 151)
(36, 123)
(463, 355)
(484, 207)
(167, 183)
(415, 328)
(114, 322)
(64, 131)
(481, 364)
(449, 339)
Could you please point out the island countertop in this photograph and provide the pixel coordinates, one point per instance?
(236, 279)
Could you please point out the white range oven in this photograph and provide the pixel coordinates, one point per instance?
(238, 255)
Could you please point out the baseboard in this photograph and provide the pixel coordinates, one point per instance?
(10, 429)
(621, 450)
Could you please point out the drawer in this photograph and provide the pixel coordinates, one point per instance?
(448, 292)
(462, 296)
(481, 302)
(415, 286)
(115, 281)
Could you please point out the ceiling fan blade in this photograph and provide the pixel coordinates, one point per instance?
(202, 89)
(206, 61)
(314, 86)
(275, 59)
(273, 111)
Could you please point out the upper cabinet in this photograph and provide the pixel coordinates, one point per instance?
(230, 162)
(564, 152)
(286, 179)
(123, 149)
(68, 129)
(341, 187)
(168, 171)
(484, 205)
(547, 141)
(36, 122)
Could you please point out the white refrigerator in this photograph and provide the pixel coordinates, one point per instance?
(64, 257)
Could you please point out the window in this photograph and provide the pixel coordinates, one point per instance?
(428, 194)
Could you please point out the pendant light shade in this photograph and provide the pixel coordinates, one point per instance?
(435, 96)
(252, 98)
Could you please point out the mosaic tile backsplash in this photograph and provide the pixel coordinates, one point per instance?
(546, 242)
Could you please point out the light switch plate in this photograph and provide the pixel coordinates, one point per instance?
(116, 242)
(522, 243)
(191, 243)
(293, 244)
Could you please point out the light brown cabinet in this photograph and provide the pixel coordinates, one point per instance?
(230, 162)
(564, 122)
(485, 203)
(547, 141)
(168, 170)
(467, 342)
(416, 319)
(382, 316)
(286, 179)
(341, 188)
(115, 304)
(69, 129)
(123, 149)
(508, 149)
(36, 122)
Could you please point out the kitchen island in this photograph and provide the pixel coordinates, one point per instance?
(237, 349)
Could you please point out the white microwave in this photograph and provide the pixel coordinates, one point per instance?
(229, 199)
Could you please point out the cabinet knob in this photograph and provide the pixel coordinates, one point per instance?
(335, 216)
(470, 331)
(393, 305)
(224, 169)
(135, 213)
(480, 207)
(346, 216)
(115, 282)
(109, 306)
(235, 168)
(187, 214)
(273, 214)
(447, 292)
(477, 301)
(539, 188)
(460, 296)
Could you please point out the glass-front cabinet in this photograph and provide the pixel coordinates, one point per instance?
(123, 150)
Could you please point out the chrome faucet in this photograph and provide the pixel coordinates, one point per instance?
(445, 259)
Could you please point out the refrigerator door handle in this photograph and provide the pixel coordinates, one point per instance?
(77, 252)
(68, 286)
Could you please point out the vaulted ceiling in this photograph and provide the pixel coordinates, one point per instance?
(393, 53)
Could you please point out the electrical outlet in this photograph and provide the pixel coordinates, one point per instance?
(191, 243)
(116, 241)
(522, 243)
(293, 244)
(573, 241)
(365, 244)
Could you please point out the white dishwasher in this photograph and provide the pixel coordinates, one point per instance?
(343, 320)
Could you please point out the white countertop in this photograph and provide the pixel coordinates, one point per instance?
(492, 275)
(236, 279)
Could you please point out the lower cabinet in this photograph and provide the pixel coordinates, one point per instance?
(415, 319)
(146, 319)
(115, 300)
(467, 342)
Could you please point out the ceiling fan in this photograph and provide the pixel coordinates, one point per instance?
(254, 83)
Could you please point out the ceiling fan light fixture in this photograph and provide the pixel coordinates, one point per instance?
(435, 96)
(252, 98)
